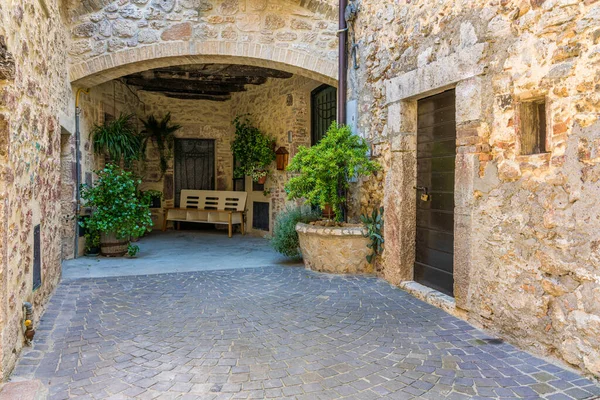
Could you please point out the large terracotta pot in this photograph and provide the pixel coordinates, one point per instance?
(340, 250)
(110, 246)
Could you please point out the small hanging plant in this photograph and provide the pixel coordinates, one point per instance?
(253, 150)
(117, 139)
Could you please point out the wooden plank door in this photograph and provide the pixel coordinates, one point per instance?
(194, 165)
(436, 154)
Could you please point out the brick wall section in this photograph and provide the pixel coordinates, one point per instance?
(527, 227)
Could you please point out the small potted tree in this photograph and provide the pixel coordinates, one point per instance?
(253, 151)
(162, 136)
(118, 213)
(323, 174)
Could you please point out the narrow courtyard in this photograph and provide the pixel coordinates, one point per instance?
(269, 332)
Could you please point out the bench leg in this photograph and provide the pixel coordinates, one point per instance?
(164, 227)
(242, 226)
(230, 225)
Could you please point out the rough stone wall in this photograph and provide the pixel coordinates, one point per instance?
(33, 90)
(119, 25)
(529, 242)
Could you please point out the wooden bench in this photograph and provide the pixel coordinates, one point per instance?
(209, 207)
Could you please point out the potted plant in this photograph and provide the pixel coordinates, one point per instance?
(92, 242)
(285, 238)
(162, 136)
(323, 174)
(117, 211)
(252, 150)
(118, 140)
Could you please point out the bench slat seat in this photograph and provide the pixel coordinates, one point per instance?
(210, 207)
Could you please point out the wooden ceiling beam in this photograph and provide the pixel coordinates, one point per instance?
(193, 96)
(183, 85)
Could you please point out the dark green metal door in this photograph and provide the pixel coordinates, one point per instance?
(194, 165)
(436, 154)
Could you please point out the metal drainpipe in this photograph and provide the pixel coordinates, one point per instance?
(342, 63)
(77, 169)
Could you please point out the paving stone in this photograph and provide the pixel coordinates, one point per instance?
(272, 332)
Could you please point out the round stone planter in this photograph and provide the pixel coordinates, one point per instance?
(338, 250)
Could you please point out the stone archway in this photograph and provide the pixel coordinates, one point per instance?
(106, 67)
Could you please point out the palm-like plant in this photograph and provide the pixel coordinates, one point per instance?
(162, 135)
(117, 139)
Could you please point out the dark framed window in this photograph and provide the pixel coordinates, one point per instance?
(258, 187)
(323, 111)
(260, 215)
(239, 184)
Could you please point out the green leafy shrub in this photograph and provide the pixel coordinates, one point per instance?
(162, 135)
(374, 225)
(92, 240)
(324, 170)
(117, 139)
(133, 250)
(252, 150)
(285, 237)
(116, 206)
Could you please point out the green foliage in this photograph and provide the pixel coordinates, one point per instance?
(325, 169)
(285, 237)
(252, 150)
(92, 240)
(116, 206)
(374, 225)
(133, 250)
(162, 135)
(117, 139)
(146, 196)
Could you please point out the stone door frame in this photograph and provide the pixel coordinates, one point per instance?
(461, 71)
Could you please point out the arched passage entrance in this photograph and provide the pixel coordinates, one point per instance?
(203, 94)
(104, 68)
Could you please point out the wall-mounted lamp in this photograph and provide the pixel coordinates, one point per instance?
(282, 157)
(290, 136)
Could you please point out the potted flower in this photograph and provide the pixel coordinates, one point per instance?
(252, 150)
(323, 174)
(117, 211)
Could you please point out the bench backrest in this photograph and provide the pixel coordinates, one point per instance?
(213, 200)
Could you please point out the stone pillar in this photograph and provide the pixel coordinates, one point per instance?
(470, 150)
(399, 194)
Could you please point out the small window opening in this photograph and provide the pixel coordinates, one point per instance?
(533, 127)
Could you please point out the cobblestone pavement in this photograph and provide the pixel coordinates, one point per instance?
(272, 332)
